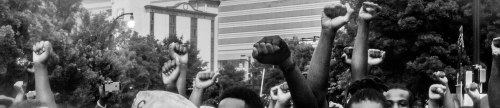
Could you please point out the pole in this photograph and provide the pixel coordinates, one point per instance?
(475, 17)
(262, 82)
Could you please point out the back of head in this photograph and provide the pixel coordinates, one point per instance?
(250, 98)
(161, 99)
(367, 94)
(28, 104)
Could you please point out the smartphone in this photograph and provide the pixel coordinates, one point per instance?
(110, 87)
(468, 77)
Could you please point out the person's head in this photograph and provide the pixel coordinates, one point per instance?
(239, 97)
(28, 104)
(398, 97)
(367, 98)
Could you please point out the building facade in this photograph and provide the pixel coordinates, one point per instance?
(244, 22)
(193, 20)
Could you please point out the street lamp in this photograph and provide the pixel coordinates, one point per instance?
(130, 24)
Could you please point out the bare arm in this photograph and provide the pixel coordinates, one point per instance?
(273, 50)
(331, 21)
(494, 81)
(181, 81)
(202, 81)
(42, 85)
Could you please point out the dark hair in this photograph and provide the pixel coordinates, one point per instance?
(411, 99)
(250, 97)
(373, 83)
(367, 94)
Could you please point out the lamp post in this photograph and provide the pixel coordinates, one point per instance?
(130, 24)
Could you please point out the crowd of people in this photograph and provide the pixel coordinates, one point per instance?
(298, 91)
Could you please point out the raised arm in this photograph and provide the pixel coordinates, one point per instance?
(20, 88)
(273, 50)
(179, 52)
(436, 94)
(274, 96)
(494, 81)
(448, 100)
(41, 53)
(331, 20)
(202, 81)
(359, 65)
(170, 74)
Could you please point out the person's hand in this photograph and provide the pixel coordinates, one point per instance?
(375, 56)
(283, 93)
(205, 79)
(31, 95)
(179, 51)
(274, 93)
(170, 71)
(331, 18)
(19, 86)
(495, 46)
(271, 50)
(347, 55)
(42, 51)
(472, 91)
(441, 77)
(368, 11)
(436, 91)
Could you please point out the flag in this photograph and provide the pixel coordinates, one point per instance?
(460, 41)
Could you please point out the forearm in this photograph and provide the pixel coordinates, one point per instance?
(196, 96)
(181, 81)
(433, 104)
(271, 103)
(281, 105)
(320, 64)
(19, 97)
(359, 65)
(494, 83)
(448, 100)
(302, 95)
(42, 86)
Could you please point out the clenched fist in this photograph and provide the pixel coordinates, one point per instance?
(170, 72)
(205, 79)
(271, 50)
(274, 93)
(375, 56)
(283, 93)
(178, 51)
(20, 86)
(368, 11)
(495, 46)
(42, 51)
(437, 91)
(441, 77)
(472, 91)
(335, 16)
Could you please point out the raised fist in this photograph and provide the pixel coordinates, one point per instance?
(271, 50)
(170, 72)
(375, 56)
(436, 91)
(332, 16)
(441, 77)
(19, 86)
(283, 94)
(42, 51)
(178, 51)
(368, 10)
(31, 95)
(472, 91)
(205, 79)
(274, 92)
(495, 46)
(347, 55)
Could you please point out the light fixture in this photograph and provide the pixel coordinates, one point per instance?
(131, 22)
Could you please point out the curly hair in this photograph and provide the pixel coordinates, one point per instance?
(251, 98)
(367, 94)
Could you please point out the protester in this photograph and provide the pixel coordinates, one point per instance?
(398, 97)
(240, 97)
(367, 98)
